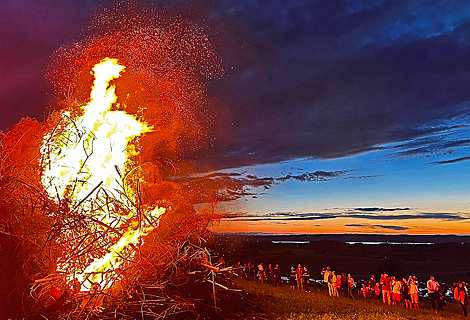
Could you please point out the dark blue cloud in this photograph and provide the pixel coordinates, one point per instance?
(304, 79)
(341, 78)
(419, 20)
(451, 161)
(441, 140)
(375, 209)
(377, 226)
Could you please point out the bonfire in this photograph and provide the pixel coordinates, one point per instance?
(104, 229)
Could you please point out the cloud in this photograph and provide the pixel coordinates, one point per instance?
(404, 24)
(370, 214)
(377, 226)
(368, 75)
(235, 185)
(450, 161)
(314, 176)
(304, 79)
(440, 143)
(363, 177)
(375, 209)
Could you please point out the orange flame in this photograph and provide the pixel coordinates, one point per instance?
(83, 155)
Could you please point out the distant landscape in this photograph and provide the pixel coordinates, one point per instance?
(444, 256)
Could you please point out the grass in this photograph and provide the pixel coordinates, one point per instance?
(284, 303)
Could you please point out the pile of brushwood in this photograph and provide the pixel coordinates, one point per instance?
(46, 242)
(195, 289)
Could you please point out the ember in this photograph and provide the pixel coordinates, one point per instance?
(90, 195)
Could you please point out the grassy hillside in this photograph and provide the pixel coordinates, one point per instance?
(284, 303)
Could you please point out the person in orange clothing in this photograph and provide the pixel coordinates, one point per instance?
(396, 292)
(332, 283)
(413, 291)
(460, 295)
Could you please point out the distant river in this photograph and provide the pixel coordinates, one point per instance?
(387, 242)
(355, 242)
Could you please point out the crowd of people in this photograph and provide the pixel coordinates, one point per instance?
(390, 289)
(261, 273)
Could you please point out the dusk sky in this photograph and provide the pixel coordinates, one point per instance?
(334, 116)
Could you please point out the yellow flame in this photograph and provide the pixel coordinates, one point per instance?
(98, 270)
(85, 155)
(101, 137)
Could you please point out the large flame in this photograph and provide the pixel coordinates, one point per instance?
(90, 151)
(95, 144)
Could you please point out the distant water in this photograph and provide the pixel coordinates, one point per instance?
(388, 242)
(287, 241)
(354, 242)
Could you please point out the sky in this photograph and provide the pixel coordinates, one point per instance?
(335, 116)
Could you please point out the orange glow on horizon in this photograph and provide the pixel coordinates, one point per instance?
(339, 226)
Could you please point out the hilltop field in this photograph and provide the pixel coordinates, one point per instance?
(285, 303)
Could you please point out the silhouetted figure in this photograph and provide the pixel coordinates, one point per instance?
(305, 277)
(276, 275)
(344, 284)
(269, 274)
(371, 287)
(292, 281)
(405, 293)
(350, 282)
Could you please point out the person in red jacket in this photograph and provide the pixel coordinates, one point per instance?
(385, 283)
(298, 277)
(460, 295)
